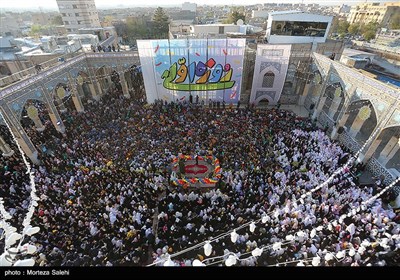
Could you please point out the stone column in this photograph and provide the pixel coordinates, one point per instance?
(334, 106)
(371, 150)
(356, 126)
(23, 140)
(74, 95)
(319, 108)
(53, 113)
(321, 102)
(304, 95)
(92, 88)
(123, 82)
(340, 123)
(389, 150)
(5, 148)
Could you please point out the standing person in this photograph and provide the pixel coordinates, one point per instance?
(197, 99)
(190, 98)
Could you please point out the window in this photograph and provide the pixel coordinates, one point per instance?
(221, 29)
(74, 6)
(299, 28)
(268, 80)
(77, 14)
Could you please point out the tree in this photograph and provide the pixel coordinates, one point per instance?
(136, 29)
(354, 28)
(234, 16)
(369, 30)
(108, 20)
(368, 35)
(395, 21)
(57, 20)
(161, 23)
(36, 30)
(343, 27)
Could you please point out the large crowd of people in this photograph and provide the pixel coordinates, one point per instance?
(106, 200)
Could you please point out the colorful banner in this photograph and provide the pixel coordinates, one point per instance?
(208, 68)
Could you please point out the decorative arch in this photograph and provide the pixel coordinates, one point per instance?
(268, 80)
(101, 76)
(32, 108)
(388, 140)
(62, 97)
(83, 81)
(265, 70)
(4, 71)
(368, 112)
(335, 99)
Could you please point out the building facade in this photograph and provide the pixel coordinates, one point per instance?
(78, 14)
(373, 12)
(294, 27)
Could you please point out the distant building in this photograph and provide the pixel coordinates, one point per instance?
(10, 23)
(374, 12)
(78, 14)
(187, 6)
(217, 30)
(292, 27)
(10, 62)
(356, 59)
(179, 29)
(342, 9)
(259, 14)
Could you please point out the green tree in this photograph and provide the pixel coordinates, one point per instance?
(133, 29)
(368, 35)
(394, 22)
(354, 28)
(369, 30)
(343, 27)
(36, 30)
(235, 15)
(57, 20)
(161, 23)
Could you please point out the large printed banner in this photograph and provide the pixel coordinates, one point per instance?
(210, 69)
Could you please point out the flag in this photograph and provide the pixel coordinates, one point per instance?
(182, 98)
(233, 95)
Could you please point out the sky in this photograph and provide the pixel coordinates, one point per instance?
(51, 4)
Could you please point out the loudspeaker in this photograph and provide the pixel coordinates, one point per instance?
(340, 130)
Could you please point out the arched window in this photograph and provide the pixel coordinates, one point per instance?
(268, 80)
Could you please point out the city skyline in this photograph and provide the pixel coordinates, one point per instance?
(52, 4)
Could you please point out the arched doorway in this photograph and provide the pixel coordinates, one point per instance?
(62, 98)
(335, 99)
(116, 81)
(134, 78)
(361, 120)
(83, 86)
(388, 150)
(36, 122)
(263, 102)
(102, 78)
